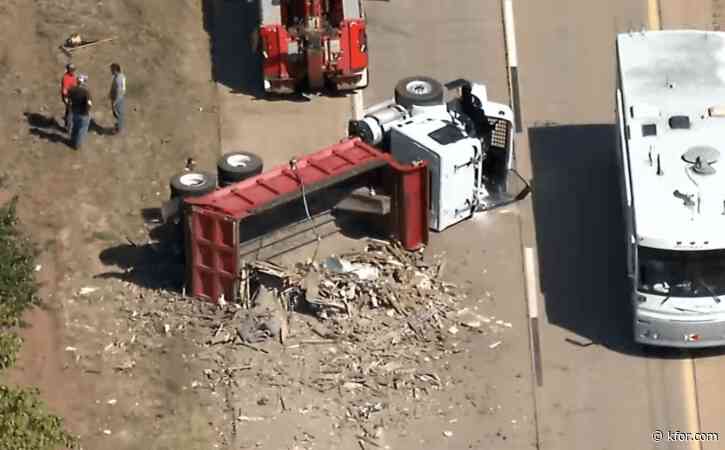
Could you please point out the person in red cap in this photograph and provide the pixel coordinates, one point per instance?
(68, 82)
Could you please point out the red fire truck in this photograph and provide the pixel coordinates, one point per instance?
(313, 44)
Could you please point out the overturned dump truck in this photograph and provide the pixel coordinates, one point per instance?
(312, 44)
(427, 159)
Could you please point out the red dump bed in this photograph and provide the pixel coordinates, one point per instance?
(275, 186)
(212, 234)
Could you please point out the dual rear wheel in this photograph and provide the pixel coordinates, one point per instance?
(232, 168)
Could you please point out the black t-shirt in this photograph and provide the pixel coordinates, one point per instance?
(79, 99)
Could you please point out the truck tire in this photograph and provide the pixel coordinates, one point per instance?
(192, 184)
(237, 166)
(418, 91)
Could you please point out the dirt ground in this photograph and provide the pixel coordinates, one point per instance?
(127, 387)
(79, 205)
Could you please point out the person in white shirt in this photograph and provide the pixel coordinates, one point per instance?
(117, 95)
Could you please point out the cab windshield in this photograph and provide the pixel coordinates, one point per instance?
(677, 273)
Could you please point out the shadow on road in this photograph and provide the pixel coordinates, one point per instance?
(580, 233)
(235, 63)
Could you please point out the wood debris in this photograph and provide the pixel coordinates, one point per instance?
(75, 42)
(369, 329)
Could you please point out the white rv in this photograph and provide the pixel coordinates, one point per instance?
(671, 118)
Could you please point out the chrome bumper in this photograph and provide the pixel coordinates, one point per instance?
(675, 333)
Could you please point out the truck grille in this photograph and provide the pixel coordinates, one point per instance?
(500, 132)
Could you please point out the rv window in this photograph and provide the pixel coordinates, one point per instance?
(691, 273)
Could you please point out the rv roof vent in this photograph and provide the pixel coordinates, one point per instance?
(702, 158)
(649, 129)
(679, 122)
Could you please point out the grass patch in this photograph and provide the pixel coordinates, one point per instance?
(18, 289)
(9, 347)
(24, 422)
(25, 425)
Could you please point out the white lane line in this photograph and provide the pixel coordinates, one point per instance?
(532, 300)
(531, 291)
(510, 33)
(356, 105)
(512, 61)
(691, 406)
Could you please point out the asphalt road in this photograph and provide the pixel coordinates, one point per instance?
(443, 39)
(600, 390)
(492, 405)
(276, 128)
(606, 395)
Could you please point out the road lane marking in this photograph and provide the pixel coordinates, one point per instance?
(510, 33)
(512, 60)
(690, 405)
(356, 104)
(653, 15)
(529, 262)
(533, 309)
(534, 379)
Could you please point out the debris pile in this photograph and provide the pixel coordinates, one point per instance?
(383, 276)
(268, 319)
(381, 317)
(362, 337)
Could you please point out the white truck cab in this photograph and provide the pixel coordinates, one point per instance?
(466, 140)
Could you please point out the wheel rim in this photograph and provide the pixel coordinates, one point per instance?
(192, 179)
(419, 87)
(238, 160)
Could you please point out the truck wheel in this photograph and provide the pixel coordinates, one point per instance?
(418, 91)
(237, 166)
(192, 184)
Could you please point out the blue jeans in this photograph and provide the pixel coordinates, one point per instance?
(79, 130)
(68, 119)
(118, 113)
